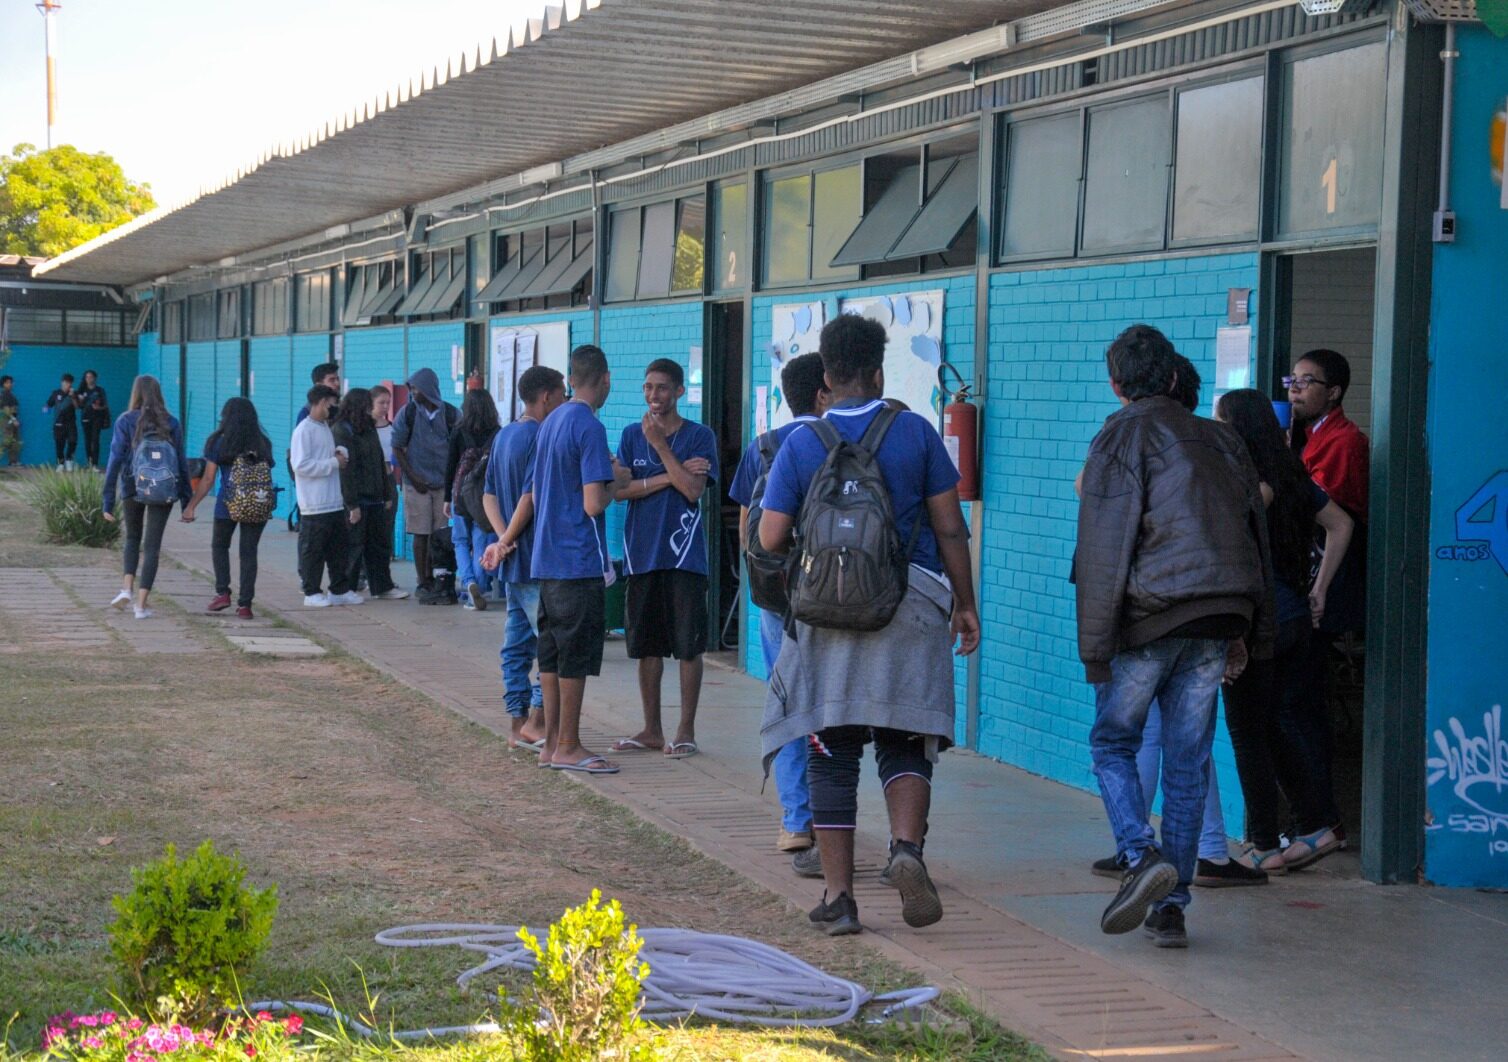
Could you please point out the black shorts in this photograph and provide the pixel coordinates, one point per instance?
(572, 626)
(667, 614)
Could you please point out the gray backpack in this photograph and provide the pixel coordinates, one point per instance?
(849, 567)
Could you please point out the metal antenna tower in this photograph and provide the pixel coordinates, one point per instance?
(47, 8)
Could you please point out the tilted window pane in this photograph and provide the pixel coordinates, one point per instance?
(788, 211)
(690, 245)
(1217, 176)
(622, 255)
(730, 256)
(951, 205)
(1042, 186)
(658, 250)
(837, 204)
(1126, 178)
(885, 222)
(1331, 161)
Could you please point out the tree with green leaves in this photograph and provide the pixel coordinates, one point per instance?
(54, 200)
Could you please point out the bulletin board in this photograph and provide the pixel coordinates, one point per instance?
(913, 348)
(513, 350)
(796, 329)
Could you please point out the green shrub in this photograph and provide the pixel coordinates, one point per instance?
(71, 508)
(187, 928)
(584, 1001)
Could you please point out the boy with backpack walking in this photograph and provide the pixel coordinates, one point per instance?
(805, 390)
(323, 520)
(421, 446)
(669, 462)
(880, 593)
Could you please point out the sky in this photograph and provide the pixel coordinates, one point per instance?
(183, 93)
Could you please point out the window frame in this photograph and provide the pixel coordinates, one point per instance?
(1086, 132)
(675, 202)
(1252, 70)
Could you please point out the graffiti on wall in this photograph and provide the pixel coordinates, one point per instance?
(1474, 765)
(1482, 526)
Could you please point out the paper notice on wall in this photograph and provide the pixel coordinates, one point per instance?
(457, 362)
(521, 365)
(913, 324)
(694, 369)
(694, 395)
(528, 343)
(796, 328)
(761, 410)
(504, 347)
(1232, 359)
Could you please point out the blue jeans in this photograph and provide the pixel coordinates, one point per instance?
(1183, 676)
(520, 639)
(1212, 840)
(470, 541)
(790, 762)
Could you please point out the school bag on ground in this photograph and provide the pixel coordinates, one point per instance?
(250, 496)
(154, 467)
(765, 570)
(849, 568)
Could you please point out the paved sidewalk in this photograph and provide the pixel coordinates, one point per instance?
(1320, 965)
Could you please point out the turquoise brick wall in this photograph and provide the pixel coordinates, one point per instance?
(38, 369)
(227, 374)
(632, 337)
(148, 354)
(199, 405)
(274, 390)
(958, 349)
(373, 355)
(430, 346)
(1048, 395)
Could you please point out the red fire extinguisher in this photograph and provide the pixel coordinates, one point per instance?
(961, 433)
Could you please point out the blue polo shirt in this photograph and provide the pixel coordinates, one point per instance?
(571, 450)
(752, 463)
(912, 459)
(510, 475)
(664, 530)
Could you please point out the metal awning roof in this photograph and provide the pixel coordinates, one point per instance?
(586, 75)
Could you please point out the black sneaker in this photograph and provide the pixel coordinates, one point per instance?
(1224, 875)
(920, 905)
(837, 919)
(1165, 926)
(426, 594)
(1141, 886)
(1106, 868)
(807, 863)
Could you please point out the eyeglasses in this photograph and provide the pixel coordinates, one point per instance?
(1302, 383)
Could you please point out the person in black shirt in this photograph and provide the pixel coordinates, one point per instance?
(62, 404)
(95, 412)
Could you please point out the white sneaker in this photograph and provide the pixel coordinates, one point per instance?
(392, 595)
(143, 613)
(61, 468)
(71, 466)
(121, 600)
(350, 597)
(320, 600)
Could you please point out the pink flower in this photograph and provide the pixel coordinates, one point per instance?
(107, 1017)
(264, 1015)
(134, 1023)
(136, 1056)
(54, 1034)
(90, 1020)
(251, 1052)
(93, 1042)
(294, 1025)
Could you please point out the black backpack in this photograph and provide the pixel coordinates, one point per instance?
(849, 569)
(470, 483)
(765, 570)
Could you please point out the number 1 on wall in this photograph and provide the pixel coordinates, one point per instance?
(1330, 179)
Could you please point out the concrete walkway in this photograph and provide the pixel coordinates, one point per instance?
(1320, 965)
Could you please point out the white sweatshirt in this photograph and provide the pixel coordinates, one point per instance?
(316, 472)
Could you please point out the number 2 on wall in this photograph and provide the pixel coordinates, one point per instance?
(1330, 179)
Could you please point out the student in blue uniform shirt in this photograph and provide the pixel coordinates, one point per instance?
(573, 486)
(669, 461)
(508, 499)
(805, 390)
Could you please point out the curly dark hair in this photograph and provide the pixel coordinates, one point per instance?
(852, 347)
(1141, 362)
(355, 410)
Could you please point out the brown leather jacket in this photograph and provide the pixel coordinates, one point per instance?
(1171, 529)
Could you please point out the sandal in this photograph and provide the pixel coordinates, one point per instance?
(590, 765)
(634, 745)
(1310, 848)
(1269, 859)
(531, 746)
(679, 750)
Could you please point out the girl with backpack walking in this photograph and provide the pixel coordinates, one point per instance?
(465, 471)
(146, 460)
(242, 454)
(369, 495)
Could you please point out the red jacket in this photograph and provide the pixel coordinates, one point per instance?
(1337, 456)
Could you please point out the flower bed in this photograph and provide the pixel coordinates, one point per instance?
(110, 1037)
